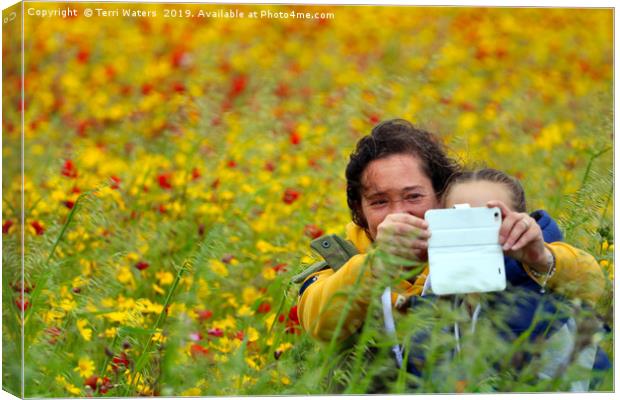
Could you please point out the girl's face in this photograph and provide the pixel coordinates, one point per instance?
(477, 194)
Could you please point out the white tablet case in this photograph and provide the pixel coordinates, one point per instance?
(464, 252)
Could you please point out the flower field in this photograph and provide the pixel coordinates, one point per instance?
(176, 170)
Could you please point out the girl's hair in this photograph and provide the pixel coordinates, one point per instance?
(396, 136)
(492, 175)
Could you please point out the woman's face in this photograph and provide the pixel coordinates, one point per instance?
(395, 184)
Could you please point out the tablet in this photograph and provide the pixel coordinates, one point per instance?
(464, 252)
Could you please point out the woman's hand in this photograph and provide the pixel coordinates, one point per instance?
(521, 238)
(405, 236)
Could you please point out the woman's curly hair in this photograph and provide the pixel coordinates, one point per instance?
(396, 136)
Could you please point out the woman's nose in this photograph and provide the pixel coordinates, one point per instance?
(400, 206)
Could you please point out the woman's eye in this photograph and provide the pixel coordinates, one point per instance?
(376, 203)
(413, 197)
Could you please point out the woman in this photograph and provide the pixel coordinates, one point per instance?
(394, 176)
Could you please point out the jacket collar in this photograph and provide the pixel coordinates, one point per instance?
(358, 236)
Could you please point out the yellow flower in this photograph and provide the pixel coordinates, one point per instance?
(245, 311)
(250, 294)
(226, 345)
(193, 392)
(86, 333)
(68, 304)
(85, 367)
(164, 277)
(269, 319)
(147, 306)
(251, 363)
(230, 299)
(265, 247)
(218, 268)
(110, 332)
(269, 274)
(284, 346)
(158, 289)
(159, 337)
(125, 276)
(74, 390)
(226, 323)
(253, 334)
(117, 316)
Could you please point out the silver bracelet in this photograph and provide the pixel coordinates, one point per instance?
(546, 276)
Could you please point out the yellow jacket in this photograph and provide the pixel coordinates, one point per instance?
(321, 305)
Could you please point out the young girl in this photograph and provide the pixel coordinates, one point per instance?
(525, 295)
(489, 187)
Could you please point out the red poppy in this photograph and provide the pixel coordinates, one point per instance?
(295, 138)
(38, 227)
(105, 385)
(122, 359)
(239, 335)
(290, 195)
(6, 226)
(198, 350)
(238, 85)
(466, 106)
(116, 181)
(281, 318)
(165, 180)
(264, 307)
(374, 118)
(481, 54)
(142, 265)
(178, 87)
(17, 286)
(231, 164)
(280, 267)
(177, 58)
(283, 90)
(195, 173)
(82, 56)
(146, 88)
(81, 128)
(204, 315)
(92, 382)
(313, 231)
(270, 166)
(69, 204)
(292, 315)
(22, 303)
(69, 170)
